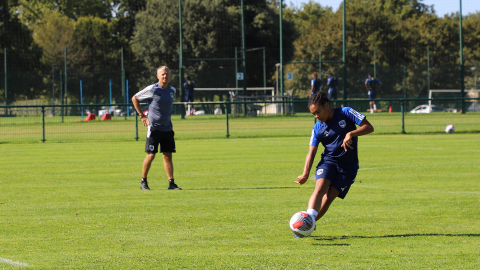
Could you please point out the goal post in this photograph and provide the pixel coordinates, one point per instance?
(455, 92)
(266, 100)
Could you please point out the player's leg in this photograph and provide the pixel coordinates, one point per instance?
(373, 107)
(321, 188)
(167, 147)
(147, 163)
(151, 148)
(322, 197)
(327, 200)
(187, 111)
(168, 164)
(190, 98)
(334, 96)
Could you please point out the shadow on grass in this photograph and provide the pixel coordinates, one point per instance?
(344, 237)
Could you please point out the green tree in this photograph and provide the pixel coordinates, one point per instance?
(22, 54)
(34, 11)
(211, 29)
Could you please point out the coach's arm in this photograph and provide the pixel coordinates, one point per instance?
(138, 108)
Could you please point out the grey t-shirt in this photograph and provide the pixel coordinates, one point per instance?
(160, 106)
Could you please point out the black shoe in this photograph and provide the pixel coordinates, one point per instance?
(173, 186)
(144, 185)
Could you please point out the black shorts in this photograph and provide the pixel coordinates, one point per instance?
(164, 138)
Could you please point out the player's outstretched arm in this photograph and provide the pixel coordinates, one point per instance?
(365, 128)
(312, 151)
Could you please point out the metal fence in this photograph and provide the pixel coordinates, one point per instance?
(119, 122)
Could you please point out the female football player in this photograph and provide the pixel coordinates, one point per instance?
(336, 171)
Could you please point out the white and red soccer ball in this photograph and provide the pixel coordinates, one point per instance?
(449, 129)
(302, 224)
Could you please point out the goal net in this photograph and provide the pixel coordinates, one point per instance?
(266, 101)
(446, 98)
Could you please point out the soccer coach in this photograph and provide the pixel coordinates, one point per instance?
(159, 124)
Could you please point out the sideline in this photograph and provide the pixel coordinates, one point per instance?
(413, 189)
(20, 264)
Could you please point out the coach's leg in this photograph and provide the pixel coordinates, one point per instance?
(168, 164)
(147, 163)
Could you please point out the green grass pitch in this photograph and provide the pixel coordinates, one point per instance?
(415, 205)
(29, 128)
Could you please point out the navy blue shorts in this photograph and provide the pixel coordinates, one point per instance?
(372, 94)
(164, 138)
(189, 97)
(332, 93)
(341, 179)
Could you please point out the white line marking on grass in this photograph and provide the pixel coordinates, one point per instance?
(20, 264)
(390, 167)
(419, 190)
(416, 165)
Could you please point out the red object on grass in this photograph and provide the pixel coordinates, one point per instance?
(90, 117)
(107, 116)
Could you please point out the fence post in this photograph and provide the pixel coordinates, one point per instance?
(81, 97)
(126, 100)
(136, 126)
(462, 66)
(226, 118)
(6, 91)
(43, 123)
(405, 85)
(244, 55)
(404, 102)
(61, 94)
(264, 74)
(403, 117)
(66, 80)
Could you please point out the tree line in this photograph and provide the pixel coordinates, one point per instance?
(35, 34)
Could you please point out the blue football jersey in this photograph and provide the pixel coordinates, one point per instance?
(332, 133)
(189, 87)
(372, 83)
(332, 83)
(316, 83)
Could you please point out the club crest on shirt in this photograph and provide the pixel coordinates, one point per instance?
(171, 94)
(319, 171)
(342, 124)
(325, 133)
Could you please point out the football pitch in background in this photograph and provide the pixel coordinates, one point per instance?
(414, 205)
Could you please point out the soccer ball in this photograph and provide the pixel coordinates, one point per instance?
(449, 129)
(302, 224)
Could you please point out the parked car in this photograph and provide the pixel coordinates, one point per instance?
(452, 110)
(425, 108)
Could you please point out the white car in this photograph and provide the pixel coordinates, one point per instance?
(425, 108)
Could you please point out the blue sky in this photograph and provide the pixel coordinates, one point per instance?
(441, 7)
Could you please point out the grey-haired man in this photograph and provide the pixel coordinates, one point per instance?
(159, 124)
